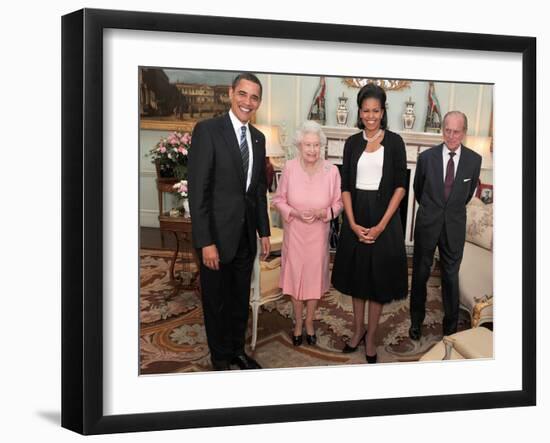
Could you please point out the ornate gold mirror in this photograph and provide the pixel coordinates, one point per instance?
(388, 85)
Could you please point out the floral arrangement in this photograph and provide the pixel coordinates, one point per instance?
(181, 188)
(171, 153)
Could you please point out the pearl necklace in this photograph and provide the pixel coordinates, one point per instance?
(374, 137)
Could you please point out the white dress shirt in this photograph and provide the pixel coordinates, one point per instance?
(237, 125)
(446, 158)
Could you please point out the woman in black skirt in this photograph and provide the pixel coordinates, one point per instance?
(370, 262)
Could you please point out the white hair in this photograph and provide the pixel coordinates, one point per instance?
(310, 127)
(456, 114)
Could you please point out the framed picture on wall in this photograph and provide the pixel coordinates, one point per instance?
(175, 99)
(102, 391)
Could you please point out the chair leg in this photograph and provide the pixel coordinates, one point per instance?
(255, 310)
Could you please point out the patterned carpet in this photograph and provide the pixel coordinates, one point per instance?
(172, 337)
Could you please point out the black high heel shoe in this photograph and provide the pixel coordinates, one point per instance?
(297, 339)
(349, 349)
(371, 358)
(311, 339)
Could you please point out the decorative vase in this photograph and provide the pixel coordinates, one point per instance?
(408, 116)
(186, 212)
(342, 110)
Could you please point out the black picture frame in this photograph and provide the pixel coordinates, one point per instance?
(82, 218)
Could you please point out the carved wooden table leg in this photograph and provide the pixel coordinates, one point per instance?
(174, 258)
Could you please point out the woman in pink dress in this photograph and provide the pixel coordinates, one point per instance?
(308, 196)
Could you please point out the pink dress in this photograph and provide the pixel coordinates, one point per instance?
(305, 253)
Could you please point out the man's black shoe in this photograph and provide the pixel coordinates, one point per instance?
(415, 332)
(243, 361)
(220, 365)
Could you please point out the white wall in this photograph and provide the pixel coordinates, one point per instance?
(30, 234)
(148, 196)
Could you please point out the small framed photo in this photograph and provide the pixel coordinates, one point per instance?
(485, 193)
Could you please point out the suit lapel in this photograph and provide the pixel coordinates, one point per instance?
(461, 170)
(233, 146)
(256, 154)
(438, 171)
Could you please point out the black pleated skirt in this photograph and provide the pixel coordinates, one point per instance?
(375, 271)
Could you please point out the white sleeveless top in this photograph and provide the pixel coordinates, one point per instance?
(369, 170)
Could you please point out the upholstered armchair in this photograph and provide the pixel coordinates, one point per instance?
(264, 288)
(476, 270)
(276, 238)
(265, 277)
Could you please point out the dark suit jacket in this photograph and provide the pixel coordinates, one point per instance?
(218, 200)
(434, 213)
(394, 170)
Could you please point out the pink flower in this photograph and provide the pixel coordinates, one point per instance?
(162, 149)
(186, 139)
(181, 188)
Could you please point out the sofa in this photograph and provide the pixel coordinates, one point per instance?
(476, 271)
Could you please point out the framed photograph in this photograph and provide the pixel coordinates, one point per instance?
(485, 193)
(103, 390)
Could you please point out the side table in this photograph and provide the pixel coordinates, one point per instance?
(181, 228)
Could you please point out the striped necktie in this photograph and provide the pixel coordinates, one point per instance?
(243, 145)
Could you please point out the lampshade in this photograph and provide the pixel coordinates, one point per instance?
(272, 144)
(482, 145)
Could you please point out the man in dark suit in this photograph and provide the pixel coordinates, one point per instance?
(227, 197)
(445, 181)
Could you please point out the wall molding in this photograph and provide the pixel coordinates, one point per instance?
(149, 218)
(479, 105)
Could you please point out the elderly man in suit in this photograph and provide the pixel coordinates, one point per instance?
(445, 181)
(227, 197)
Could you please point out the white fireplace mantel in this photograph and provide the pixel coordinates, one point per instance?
(415, 142)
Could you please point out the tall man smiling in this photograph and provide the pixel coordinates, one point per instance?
(227, 197)
(445, 180)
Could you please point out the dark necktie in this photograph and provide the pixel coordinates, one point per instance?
(449, 175)
(243, 145)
